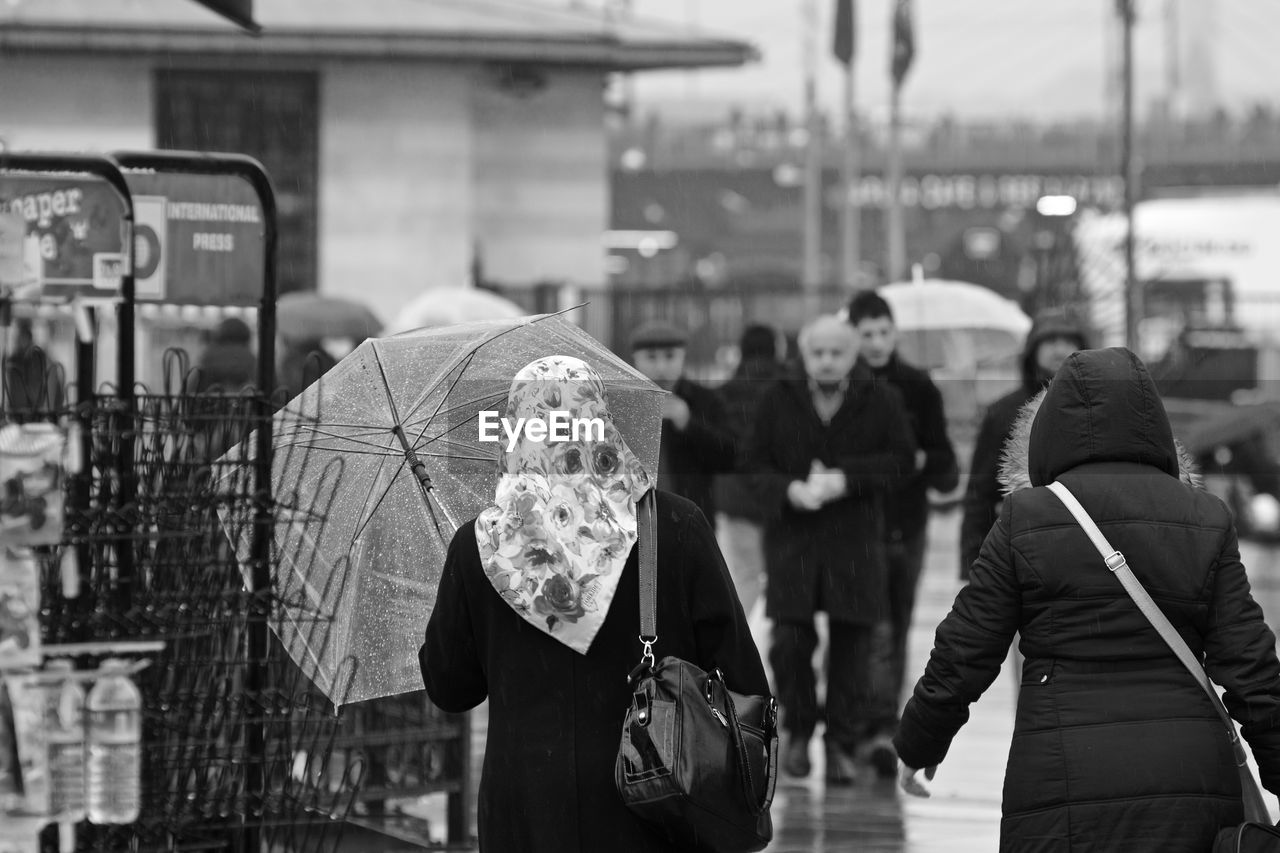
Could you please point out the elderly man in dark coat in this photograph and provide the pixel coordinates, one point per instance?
(697, 443)
(825, 449)
(1115, 745)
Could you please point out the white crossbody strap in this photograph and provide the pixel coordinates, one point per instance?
(1120, 568)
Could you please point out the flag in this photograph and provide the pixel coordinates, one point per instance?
(239, 12)
(844, 31)
(904, 41)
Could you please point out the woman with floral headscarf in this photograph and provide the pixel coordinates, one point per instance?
(538, 611)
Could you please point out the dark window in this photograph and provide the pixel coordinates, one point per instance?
(270, 116)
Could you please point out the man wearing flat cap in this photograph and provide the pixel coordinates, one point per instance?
(696, 444)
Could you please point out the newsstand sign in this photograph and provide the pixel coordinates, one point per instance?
(60, 237)
(198, 239)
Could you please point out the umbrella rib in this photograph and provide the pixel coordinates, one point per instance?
(471, 354)
(461, 368)
(386, 386)
(317, 434)
(419, 470)
(368, 516)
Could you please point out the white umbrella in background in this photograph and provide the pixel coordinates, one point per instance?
(448, 306)
(952, 323)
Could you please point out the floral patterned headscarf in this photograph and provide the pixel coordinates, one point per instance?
(564, 517)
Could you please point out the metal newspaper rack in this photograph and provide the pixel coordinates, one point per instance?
(240, 752)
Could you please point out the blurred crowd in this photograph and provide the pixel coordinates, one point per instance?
(816, 470)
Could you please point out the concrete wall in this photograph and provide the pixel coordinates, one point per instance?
(70, 103)
(541, 180)
(420, 165)
(396, 185)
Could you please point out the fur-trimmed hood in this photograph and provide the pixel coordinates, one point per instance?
(1102, 406)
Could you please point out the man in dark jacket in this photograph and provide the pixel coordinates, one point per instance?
(826, 447)
(907, 508)
(696, 445)
(1054, 335)
(228, 363)
(739, 519)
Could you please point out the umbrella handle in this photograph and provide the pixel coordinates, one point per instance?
(415, 464)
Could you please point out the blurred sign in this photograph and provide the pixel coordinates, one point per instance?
(74, 237)
(198, 239)
(13, 235)
(981, 244)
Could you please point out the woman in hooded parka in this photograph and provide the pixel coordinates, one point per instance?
(1115, 745)
(538, 610)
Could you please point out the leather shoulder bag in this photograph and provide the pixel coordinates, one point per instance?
(1256, 834)
(696, 759)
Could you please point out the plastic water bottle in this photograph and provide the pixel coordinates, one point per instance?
(64, 737)
(115, 752)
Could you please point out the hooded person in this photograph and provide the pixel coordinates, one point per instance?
(1054, 335)
(537, 610)
(1115, 745)
(228, 364)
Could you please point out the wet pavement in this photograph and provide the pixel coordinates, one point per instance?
(963, 813)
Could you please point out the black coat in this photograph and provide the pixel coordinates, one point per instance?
(741, 394)
(982, 491)
(705, 447)
(1115, 746)
(555, 716)
(907, 507)
(832, 559)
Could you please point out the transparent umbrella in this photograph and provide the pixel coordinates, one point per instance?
(948, 322)
(378, 464)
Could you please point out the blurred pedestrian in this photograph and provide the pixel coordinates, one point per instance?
(906, 508)
(739, 516)
(33, 381)
(696, 444)
(227, 364)
(1054, 335)
(1115, 745)
(826, 447)
(538, 611)
(302, 364)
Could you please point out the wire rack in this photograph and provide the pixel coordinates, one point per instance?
(240, 751)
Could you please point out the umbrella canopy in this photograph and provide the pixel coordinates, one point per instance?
(305, 316)
(940, 304)
(378, 464)
(954, 322)
(447, 306)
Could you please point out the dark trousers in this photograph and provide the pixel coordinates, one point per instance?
(906, 559)
(858, 705)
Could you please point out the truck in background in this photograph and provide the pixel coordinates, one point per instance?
(1209, 266)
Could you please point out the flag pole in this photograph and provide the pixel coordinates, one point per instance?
(896, 261)
(904, 49)
(1133, 288)
(811, 270)
(850, 211)
(850, 166)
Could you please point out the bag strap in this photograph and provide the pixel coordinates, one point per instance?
(761, 805)
(647, 544)
(1255, 806)
(646, 535)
